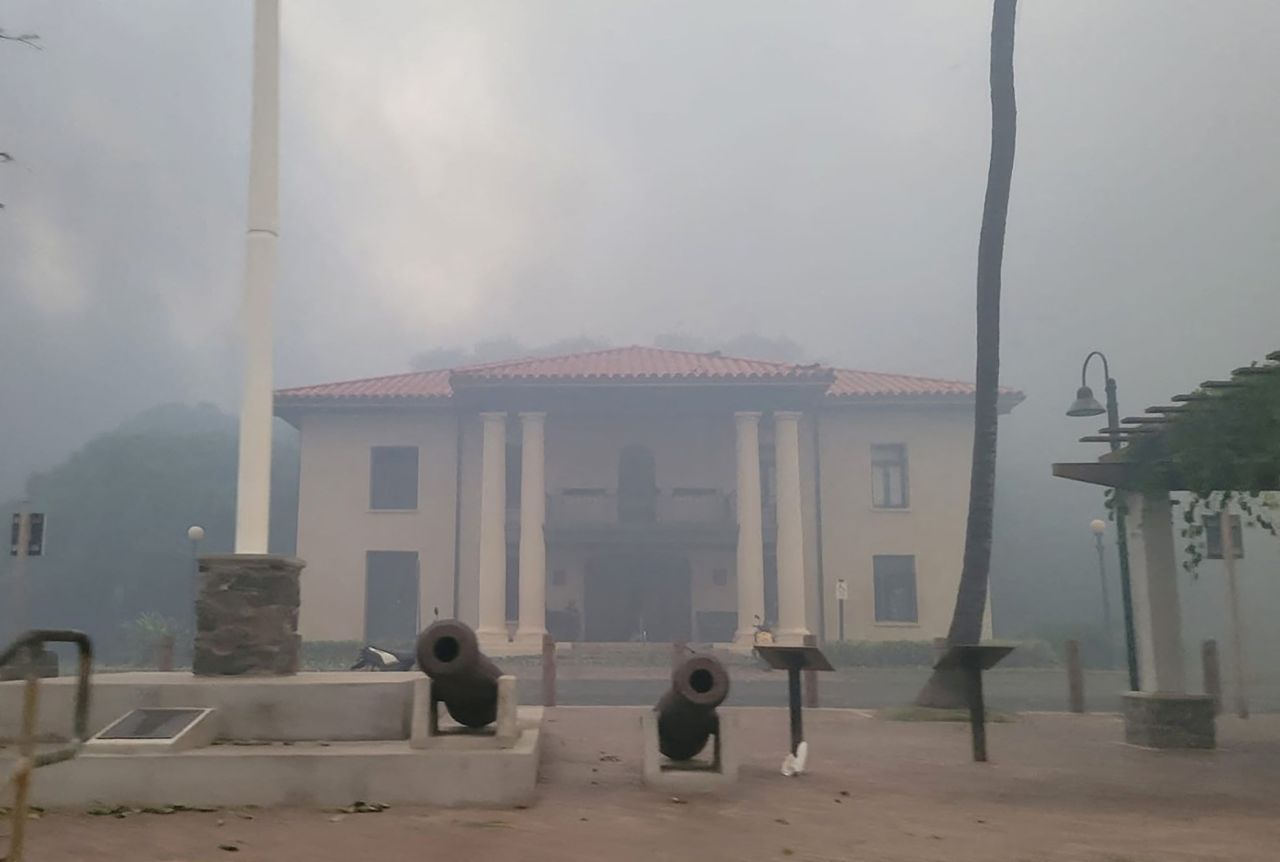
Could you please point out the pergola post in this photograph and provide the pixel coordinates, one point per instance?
(1163, 714)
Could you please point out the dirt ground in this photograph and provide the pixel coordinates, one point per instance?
(1058, 788)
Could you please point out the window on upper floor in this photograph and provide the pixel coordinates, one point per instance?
(895, 583)
(1213, 537)
(393, 477)
(889, 476)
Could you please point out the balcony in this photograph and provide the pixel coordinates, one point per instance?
(681, 515)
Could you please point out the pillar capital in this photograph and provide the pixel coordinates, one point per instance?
(494, 416)
(533, 415)
(787, 415)
(747, 416)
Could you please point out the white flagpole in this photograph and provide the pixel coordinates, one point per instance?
(253, 487)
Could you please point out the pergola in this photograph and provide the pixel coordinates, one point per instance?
(1226, 419)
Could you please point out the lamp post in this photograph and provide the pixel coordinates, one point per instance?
(1099, 528)
(1086, 405)
(195, 533)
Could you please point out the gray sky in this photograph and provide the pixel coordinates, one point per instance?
(460, 171)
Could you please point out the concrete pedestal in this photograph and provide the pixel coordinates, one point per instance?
(714, 770)
(1156, 720)
(247, 615)
(434, 731)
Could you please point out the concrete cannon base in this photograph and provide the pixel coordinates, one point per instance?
(701, 775)
(1155, 720)
(315, 739)
(301, 774)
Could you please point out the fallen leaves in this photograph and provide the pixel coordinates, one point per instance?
(362, 807)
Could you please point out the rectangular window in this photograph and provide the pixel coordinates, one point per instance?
(895, 582)
(391, 598)
(889, 476)
(1213, 537)
(393, 477)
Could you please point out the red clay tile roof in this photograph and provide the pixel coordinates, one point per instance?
(870, 384)
(628, 365)
(639, 364)
(417, 385)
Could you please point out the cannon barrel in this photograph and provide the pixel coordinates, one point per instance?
(687, 712)
(461, 676)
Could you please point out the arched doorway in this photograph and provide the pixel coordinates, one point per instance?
(637, 486)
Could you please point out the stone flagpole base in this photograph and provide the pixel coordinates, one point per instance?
(247, 615)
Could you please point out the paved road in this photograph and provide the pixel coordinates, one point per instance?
(1013, 690)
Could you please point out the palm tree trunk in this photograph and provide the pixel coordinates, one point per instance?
(971, 599)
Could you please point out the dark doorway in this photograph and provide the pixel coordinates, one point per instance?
(638, 595)
(637, 486)
(391, 598)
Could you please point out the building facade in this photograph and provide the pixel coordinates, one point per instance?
(632, 494)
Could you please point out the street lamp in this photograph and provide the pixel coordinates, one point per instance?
(196, 534)
(1086, 405)
(1099, 528)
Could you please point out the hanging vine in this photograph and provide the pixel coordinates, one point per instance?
(1224, 451)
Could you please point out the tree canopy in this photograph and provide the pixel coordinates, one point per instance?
(118, 512)
(1223, 448)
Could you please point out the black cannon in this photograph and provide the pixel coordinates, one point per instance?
(687, 712)
(462, 677)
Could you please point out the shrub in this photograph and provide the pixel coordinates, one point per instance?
(922, 654)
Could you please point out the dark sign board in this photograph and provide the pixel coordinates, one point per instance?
(35, 534)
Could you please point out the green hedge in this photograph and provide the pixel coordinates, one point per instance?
(922, 654)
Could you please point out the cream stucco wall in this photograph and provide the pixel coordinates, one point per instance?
(939, 442)
(336, 526)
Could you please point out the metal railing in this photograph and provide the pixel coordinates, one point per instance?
(27, 648)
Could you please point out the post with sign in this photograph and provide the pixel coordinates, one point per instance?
(842, 593)
(26, 539)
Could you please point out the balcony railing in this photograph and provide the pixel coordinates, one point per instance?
(602, 509)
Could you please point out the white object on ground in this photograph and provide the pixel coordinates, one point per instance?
(793, 764)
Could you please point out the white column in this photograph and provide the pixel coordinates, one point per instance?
(493, 529)
(253, 481)
(1153, 572)
(533, 546)
(750, 569)
(791, 593)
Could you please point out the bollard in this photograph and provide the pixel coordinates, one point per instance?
(1212, 673)
(1075, 677)
(810, 679)
(679, 652)
(548, 671)
(164, 652)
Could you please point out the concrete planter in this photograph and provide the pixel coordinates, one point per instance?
(1157, 720)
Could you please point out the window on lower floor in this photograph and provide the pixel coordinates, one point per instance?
(895, 583)
(391, 598)
(889, 476)
(393, 477)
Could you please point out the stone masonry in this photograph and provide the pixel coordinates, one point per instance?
(247, 615)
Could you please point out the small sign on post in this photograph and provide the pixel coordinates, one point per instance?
(842, 593)
(794, 660)
(972, 660)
